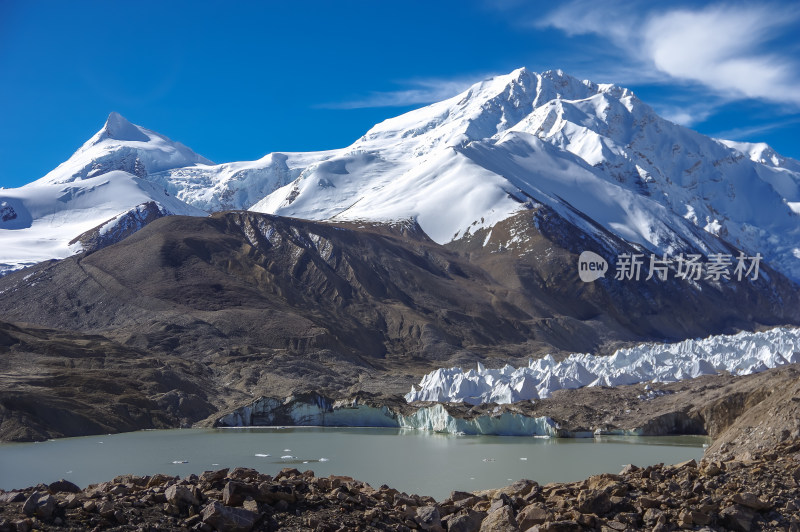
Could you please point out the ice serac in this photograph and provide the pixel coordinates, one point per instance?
(589, 151)
(741, 354)
(316, 410)
(236, 185)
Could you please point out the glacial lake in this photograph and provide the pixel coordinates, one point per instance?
(412, 461)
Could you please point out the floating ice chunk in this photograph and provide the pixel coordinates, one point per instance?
(288, 457)
(262, 455)
(180, 461)
(324, 459)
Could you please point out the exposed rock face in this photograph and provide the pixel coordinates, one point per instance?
(7, 212)
(767, 416)
(757, 494)
(120, 227)
(58, 384)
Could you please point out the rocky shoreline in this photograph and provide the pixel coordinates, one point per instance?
(762, 493)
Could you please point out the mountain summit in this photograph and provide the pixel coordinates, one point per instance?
(118, 128)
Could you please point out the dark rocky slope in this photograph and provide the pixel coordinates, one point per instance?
(218, 311)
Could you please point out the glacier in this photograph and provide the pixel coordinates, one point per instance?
(323, 412)
(740, 354)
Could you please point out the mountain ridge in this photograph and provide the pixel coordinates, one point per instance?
(467, 163)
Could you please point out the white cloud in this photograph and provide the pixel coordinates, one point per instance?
(685, 115)
(744, 133)
(721, 46)
(421, 91)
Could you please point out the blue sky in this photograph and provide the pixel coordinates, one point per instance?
(237, 82)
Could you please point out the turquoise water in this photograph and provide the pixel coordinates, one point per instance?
(411, 461)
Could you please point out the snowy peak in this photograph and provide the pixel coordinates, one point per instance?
(483, 111)
(118, 127)
(122, 145)
(104, 180)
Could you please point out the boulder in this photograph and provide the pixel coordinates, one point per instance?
(243, 473)
(465, 521)
(106, 509)
(12, 496)
(593, 502)
(531, 515)
(274, 493)
(500, 520)
(560, 526)
(234, 493)
(739, 518)
(751, 500)
(41, 505)
(63, 486)
(429, 518)
(214, 476)
(228, 519)
(159, 479)
(180, 496)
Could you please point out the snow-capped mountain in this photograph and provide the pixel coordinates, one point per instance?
(595, 154)
(100, 184)
(581, 148)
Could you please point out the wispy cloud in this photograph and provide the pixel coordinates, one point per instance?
(743, 133)
(685, 114)
(415, 92)
(725, 47)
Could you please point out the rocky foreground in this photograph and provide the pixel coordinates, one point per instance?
(758, 494)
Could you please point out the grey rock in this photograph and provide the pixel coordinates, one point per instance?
(465, 521)
(42, 505)
(501, 520)
(751, 500)
(214, 476)
(531, 515)
(429, 518)
(594, 502)
(12, 496)
(222, 517)
(739, 518)
(64, 486)
(180, 496)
